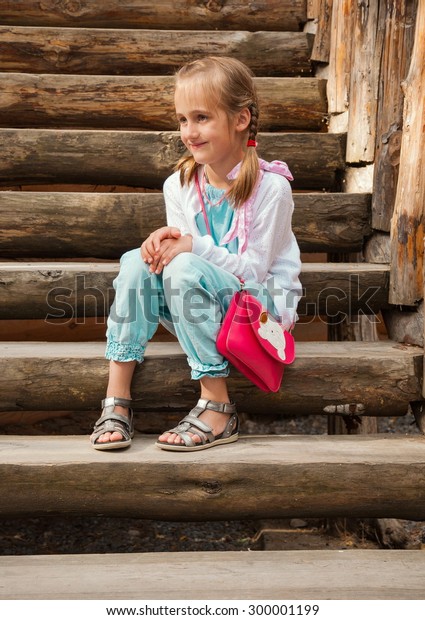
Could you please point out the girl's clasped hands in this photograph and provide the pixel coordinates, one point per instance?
(162, 246)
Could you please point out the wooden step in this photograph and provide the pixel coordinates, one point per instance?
(108, 51)
(383, 376)
(264, 15)
(251, 576)
(62, 224)
(79, 290)
(293, 476)
(28, 100)
(145, 159)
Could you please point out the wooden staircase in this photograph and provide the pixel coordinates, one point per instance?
(88, 137)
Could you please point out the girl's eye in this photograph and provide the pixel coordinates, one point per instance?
(202, 117)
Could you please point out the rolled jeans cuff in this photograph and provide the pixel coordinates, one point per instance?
(207, 370)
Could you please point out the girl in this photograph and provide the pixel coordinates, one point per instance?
(186, 273)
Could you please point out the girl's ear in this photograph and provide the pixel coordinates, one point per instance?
(243, 120)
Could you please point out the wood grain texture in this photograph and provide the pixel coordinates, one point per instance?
(322, 39)
(80, 290)
(407, 224)
(294, 476)
(383, 376)
(191, 15)
(63, 101)
(366, 54)
(61, 224)
(98, 51)
(146, 158)
(261, 575)
(338, 87)
(397, 50)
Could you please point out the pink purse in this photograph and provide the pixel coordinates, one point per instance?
(254, 342)
(251, 338)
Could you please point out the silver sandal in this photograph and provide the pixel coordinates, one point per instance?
(192, 424)
(112, 422)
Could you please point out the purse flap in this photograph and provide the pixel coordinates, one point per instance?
(278, 342)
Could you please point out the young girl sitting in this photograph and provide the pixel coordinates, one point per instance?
(185, 276)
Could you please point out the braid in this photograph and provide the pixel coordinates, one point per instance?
(253, 127)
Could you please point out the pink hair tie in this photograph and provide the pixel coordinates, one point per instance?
(251, 143)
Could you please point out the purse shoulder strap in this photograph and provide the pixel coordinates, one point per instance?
(201, 200)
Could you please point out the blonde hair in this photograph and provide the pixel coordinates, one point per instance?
(228, 83)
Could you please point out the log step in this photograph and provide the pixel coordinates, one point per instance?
(132, 102)
(97, 51)
(79, 290)
(45, 224)
(144, 159)
(259, 575)
(265, 15)
(382, 376)
(294, 476)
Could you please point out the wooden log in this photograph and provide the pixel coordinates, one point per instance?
(405, 326)
(382, 375)
(338, 86)
(80, 290)
(44, 224)
(313, 9)
(262, 576)
(180, 14)
(99, 51)
(314, 474)
(398, 43)
(366, 57)
(28, 100)
(407, 226)
(377, 248)
(322, 39)
(147, 158)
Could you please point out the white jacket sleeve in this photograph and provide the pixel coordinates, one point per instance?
(174, 211)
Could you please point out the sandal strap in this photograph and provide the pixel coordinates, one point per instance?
(192, 424)
(121, 419)
(111, 421)
(115, 400)
(204, 403)
(191, 420)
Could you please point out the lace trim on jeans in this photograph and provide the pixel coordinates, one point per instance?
(123, 352)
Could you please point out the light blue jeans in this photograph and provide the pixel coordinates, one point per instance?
(189, 297)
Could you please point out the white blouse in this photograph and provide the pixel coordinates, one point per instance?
(268, 251)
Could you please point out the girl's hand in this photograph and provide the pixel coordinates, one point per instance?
(168, 250)
(151, 245)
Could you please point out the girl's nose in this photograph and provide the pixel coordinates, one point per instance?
(191, 130)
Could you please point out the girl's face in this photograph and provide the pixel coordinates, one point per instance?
(208, 133)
